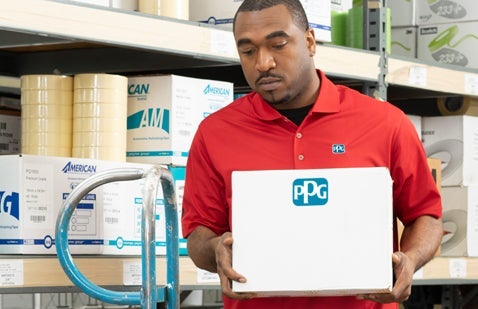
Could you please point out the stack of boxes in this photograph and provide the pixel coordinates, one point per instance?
(437, 31)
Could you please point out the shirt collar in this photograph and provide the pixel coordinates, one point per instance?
(327, 101)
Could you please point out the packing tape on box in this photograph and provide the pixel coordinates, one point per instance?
(55, 82)
(458, 106)
(46, 96)
(150, 7)
(100, 80)
(100, 153)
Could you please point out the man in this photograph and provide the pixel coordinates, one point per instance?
(290, 120)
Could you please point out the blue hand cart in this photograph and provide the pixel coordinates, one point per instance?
(149, 294)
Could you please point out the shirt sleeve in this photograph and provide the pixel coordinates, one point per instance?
(204, 200)
(415, 191)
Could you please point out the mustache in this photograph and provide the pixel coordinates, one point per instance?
(266, 75)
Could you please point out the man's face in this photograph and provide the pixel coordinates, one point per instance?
(275, 55)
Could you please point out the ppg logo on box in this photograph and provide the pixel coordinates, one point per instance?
(310, 192)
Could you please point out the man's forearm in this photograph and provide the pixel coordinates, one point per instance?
(201, 248)
(421, 239)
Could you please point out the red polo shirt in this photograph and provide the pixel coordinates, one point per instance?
(343, 129)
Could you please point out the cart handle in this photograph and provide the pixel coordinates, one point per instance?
(148, 296)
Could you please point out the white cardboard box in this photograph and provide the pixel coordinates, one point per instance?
(403, 12)
(10, 132)
(417, 123)
(296, 230)
(449, 44)
(104, 222)
(460, 221)
(404, 41)
(452, 139)
(164, 113)
(444, 11)
(221, 12)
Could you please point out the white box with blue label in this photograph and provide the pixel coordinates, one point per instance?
(164, 113)
(452, 139)
(221, 12)
(33, 194)
(313, 220)
(122, 225)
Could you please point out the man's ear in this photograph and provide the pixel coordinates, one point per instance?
(310, 41)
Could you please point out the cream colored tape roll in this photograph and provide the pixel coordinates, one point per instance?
(84, 110)
(100, 80)
(150, 6)
(56, 82)
(46, 139)
(131, 5)
(97, 139)
(51, 125)
(102, 95)
(100, 153)
(99, 125)
(175, 8)
(47, 151)
(458, 106)
(47, 111)
(48, 96)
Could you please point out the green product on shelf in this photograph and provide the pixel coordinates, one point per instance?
(338, 27)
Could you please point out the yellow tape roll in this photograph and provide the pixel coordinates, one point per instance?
(458, 106)
(55, 82)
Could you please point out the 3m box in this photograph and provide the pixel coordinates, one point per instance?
(404, 41)
(294, 231)
(164, 113)
(33, 194)
(460, 221)
(452, 139)
(450, 44)
(444, 11)
(221, 12)
(10, 132)
(403, 12)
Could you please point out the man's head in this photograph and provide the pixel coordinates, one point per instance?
(276, 48)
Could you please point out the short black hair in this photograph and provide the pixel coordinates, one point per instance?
(294, 7)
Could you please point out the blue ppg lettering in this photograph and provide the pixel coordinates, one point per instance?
(310, 191)
(9, 204)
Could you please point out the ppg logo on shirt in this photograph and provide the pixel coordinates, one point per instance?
(310, 192)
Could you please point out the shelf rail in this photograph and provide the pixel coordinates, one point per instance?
(149, 294)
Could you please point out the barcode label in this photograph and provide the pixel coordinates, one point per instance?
(111, 220)
(37, 219)
(3, 125)
(4, 146)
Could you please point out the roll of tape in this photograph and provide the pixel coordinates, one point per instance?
(99, 124)
(101, 95)
(100, 153)
(47, 111)
(129, 5)
(46, 96)
(97, 139)
(47, 125)
(101, 80)
(31, 139)
(47, 151)
(99, 110)
(150, 6)
(175, 8)
(55, 82)
(458, 106)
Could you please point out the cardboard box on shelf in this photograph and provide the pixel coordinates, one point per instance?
(452, 140)
(403, 12)
(460, 221)
(444, 11)
(164, 113)
(404, 41)
(10, 132)
(312, 215)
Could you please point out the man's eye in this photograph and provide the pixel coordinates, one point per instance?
(280, 45)
(247, 51)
